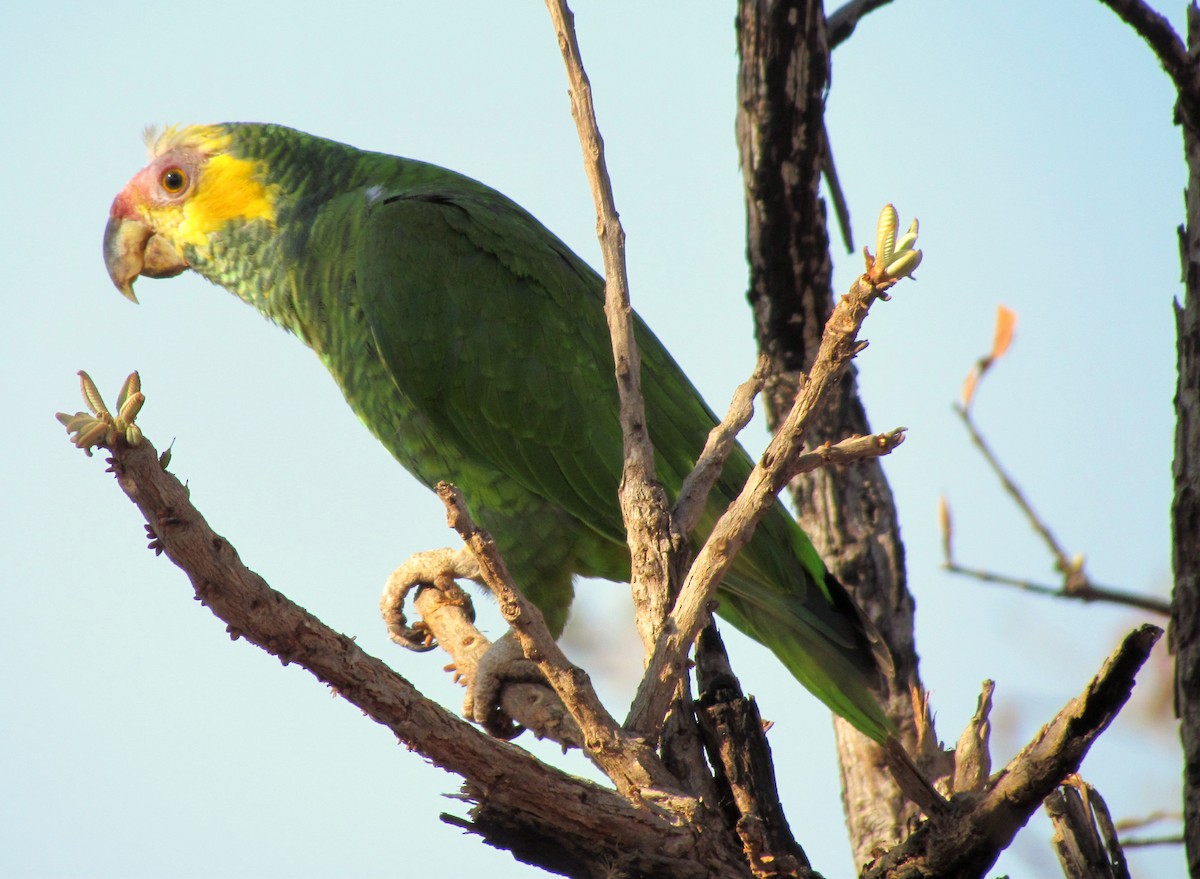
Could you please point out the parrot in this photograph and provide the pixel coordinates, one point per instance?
(472, 343)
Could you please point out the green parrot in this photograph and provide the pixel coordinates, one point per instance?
(472, 342)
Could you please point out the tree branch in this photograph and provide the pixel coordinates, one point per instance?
(1076, 582)
(628, 761)
(653, 541)
(1084, 836)
(537, 795)
(735, 527)
(1087, 591)
(842, 22)
(722, 440)
(848, 513)
(516, 797)
(966, 842)
(1185, 506)
(1162, 39)
(736, 742)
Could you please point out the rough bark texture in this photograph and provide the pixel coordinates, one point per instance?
(965, 843)
(1084, 836)
(1185, 616)
(547, 817)
(849, 513)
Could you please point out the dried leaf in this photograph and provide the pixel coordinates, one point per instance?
(947, 528)
(968, 391)
(1006, 324)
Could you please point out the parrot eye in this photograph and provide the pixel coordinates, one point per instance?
(173, 180)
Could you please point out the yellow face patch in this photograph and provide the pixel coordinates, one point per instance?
(228, 189)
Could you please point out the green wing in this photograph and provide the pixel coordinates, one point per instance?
(496, 332)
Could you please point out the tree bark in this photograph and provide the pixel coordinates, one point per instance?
(848, 512)
(1185, 614)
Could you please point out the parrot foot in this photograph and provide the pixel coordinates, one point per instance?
(504, 663)
(437, 567)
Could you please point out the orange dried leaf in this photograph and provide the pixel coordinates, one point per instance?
(947, 528)
(1006, 324)
(969, 386)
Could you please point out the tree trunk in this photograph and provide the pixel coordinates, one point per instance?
(848, 512)
(1185, 615)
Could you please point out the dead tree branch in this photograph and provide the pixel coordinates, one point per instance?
(848, 513)
(628, 761)
(1087, 591)
(1077, 584)
(448, 615)
(844, 19)
(1172, 54)
(735, 527)
(515, 797)
(1084, 836)
(737, 747)
(654, 543)
(966, 842)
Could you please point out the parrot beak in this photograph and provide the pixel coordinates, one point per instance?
(131, 248)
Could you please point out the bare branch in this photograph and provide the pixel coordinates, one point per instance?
(1143, 821)
(629, 762)
(733, 530)
(1076, 582)
(1061, 559)
(841, 23)
(1148, 841)
(512, 789)
(967, 841)
(644, 506)
(722, 440)
(840, 209)
(1084, 836)
(1162, 39)
(736, 742)
(1087, 591)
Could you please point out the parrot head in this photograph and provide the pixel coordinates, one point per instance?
(168, 216)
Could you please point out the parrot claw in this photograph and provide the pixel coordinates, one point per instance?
(503, 663)
(435, 567)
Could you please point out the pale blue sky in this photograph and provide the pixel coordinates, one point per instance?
(1033, 140)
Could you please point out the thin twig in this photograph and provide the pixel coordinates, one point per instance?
(841, 22)
(1137, 823)
(841, 209)
(1076, 583)
(1147, 841)
(1061, 559)
(632, 766)
(735, 527)
(1087, 591)
(722, 440)
(644, 506)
